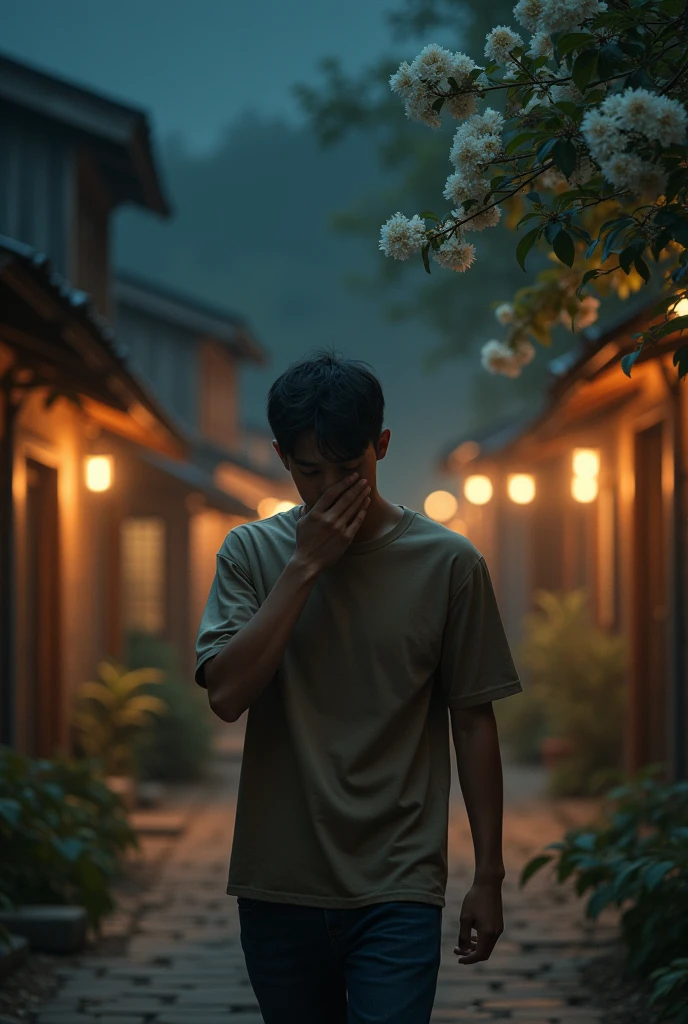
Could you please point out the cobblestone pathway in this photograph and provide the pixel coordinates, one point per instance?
(184, 962)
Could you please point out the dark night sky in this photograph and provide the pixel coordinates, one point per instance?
(197, 68)
(193, 65)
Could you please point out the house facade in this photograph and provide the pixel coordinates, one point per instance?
(120, 437)
(591, 494)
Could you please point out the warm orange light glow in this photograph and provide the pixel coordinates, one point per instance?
(440, 505)
(521, 488)
(478, 489)
(267, 507)
(283, 506)
(584, 488)
(457, 525)
(586, 462)
(99, 472)
(681, 308)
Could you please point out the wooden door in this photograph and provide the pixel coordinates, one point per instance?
(649, 691)
(43, 694)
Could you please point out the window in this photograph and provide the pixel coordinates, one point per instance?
(143, 573)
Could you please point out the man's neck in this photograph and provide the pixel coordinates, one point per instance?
(380, 518)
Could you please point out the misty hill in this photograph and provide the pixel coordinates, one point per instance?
(251, 231)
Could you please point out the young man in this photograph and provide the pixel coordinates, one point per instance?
(353, 630)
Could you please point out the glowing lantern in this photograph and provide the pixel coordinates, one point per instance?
(521, 488)
(99, 472)
(440, 505)
(478, 489)
(584, 488)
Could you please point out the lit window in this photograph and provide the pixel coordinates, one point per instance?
(143, 573)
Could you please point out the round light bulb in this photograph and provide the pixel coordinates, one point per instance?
(521, 488)
(440, 505)
(478, 489)
(584, 488)
(99, 472)
(586, 462)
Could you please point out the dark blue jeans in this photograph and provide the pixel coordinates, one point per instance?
(361, 965)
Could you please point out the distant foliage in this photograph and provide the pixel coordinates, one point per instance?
(576, 675)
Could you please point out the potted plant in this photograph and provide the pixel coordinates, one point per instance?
(110, 715)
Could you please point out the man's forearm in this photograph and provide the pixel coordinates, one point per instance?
(479, 766)
(249, 660)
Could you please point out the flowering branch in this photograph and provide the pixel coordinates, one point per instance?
(586, 123)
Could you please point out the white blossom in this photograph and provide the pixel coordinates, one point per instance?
(477, 142)
(584, 317)
(524, 351)
(658, 118)
(455, 253)
(426, 79)
(479, 219)
(602, 134)
(566, 15)
(500, 358)
(433, 63)
(528, 12)
(460, 106)
(404, 81)
(504, 313)
(500, 42)
(540, 45)
(628, 170)
(401, 237)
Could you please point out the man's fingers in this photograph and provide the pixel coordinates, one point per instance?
(481, 948)
(330, 495)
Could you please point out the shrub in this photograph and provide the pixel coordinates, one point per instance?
(62, 832)
(577, 675)
(177, 747)
(637, 857)
(109, 714)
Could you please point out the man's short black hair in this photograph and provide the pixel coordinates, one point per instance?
(339, 399)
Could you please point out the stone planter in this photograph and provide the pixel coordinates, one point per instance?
(554, 749)
(126, 787)
(48, 928)
(13, 957)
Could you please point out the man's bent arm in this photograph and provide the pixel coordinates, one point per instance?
(249, 660)
(479, 767)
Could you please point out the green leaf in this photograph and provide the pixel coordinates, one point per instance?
(681, 360)
(589, 275)
(438, 104)
(677, 323)
(564, 248)
(532, 866)
(426, 258)
(525, 245)
(514, 143)
(610, 60)
(546, 148)
(565, 157)
(654, 874)
(573, 41)
(628, 361)
(584, 68)
(430, 215)
(642, 268)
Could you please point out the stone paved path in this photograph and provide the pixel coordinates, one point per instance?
(184, 962)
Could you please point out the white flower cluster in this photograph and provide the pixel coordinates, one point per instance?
(400, 237)
(548, 16)
(455, 253)
(497, 357)
(477, 143)
(426, 78)
(500, 42)
(635, 117)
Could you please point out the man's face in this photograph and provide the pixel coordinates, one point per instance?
(313, 473)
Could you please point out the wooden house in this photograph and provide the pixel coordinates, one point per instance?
(121, 466)
(591, 494)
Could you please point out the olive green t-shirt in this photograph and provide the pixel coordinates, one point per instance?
(345, 777)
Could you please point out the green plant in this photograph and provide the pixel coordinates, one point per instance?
(177, 747)
(577, 675)
(62, 833)
(522, 725)
(636, 857)
(109, 714)
(671, 988)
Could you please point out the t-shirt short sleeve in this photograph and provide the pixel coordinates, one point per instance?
(232, 601)
(476, 665)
